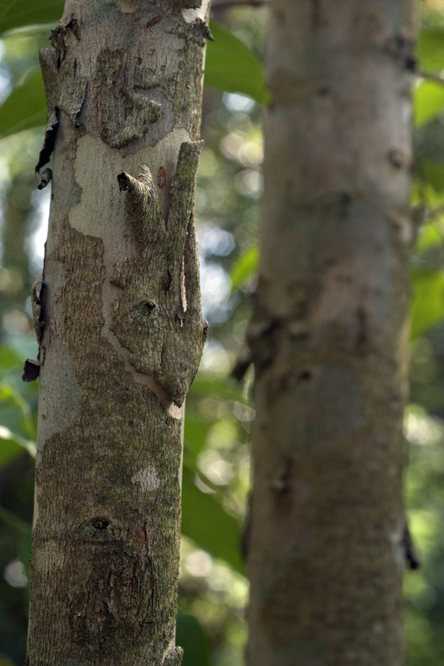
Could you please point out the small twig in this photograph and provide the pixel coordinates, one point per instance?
(218, 4)
(14, 521)
(429, 76)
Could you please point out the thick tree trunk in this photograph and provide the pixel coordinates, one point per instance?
(122, 335)
(329, 337)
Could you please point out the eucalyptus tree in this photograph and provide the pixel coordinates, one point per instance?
(329, 334)
(118, 319)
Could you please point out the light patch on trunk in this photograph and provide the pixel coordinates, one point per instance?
(175, 411)
(98, 207)
(351, 286)
(128, 6)
(147, 478)
(73, 9)
(98, 204)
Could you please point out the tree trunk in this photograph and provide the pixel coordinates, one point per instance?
(119, 320)
(329, 336)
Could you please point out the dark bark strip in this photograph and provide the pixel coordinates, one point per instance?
(118, 348)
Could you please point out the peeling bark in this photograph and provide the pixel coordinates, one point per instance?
(329, 335)
(120, 328)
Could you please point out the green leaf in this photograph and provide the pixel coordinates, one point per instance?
(25, 107)
(191, 636)
(232, 67)
(24, 345)
(12, 445)
(15, 413)
(244, 267)
(428, 102)
(17, 13)
(196, 431)
(9, 449)
(206, 522)
(37, 29)
(433, 174)
(429, 236)
(10, 519)
(427, 308)
(222, 389)
(9, 358)
(430, 49)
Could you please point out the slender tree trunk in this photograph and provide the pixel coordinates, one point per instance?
(329, 337)
(15, 261)
(119, 320)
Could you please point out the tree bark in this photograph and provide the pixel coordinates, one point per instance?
(119, 322)
(329, 336)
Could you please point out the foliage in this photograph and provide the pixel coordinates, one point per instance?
(231, 66)
(25, 107)
(212, 587)
(17, 13)
(216, 468)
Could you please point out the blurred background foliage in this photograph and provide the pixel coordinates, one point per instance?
(213, 588)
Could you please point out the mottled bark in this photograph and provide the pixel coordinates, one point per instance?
(329, 336)
(121, 331)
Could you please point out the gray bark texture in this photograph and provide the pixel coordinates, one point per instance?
(329, 335)
(119, 323)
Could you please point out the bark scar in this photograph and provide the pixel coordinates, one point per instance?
(164, 342)
(32, 368)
